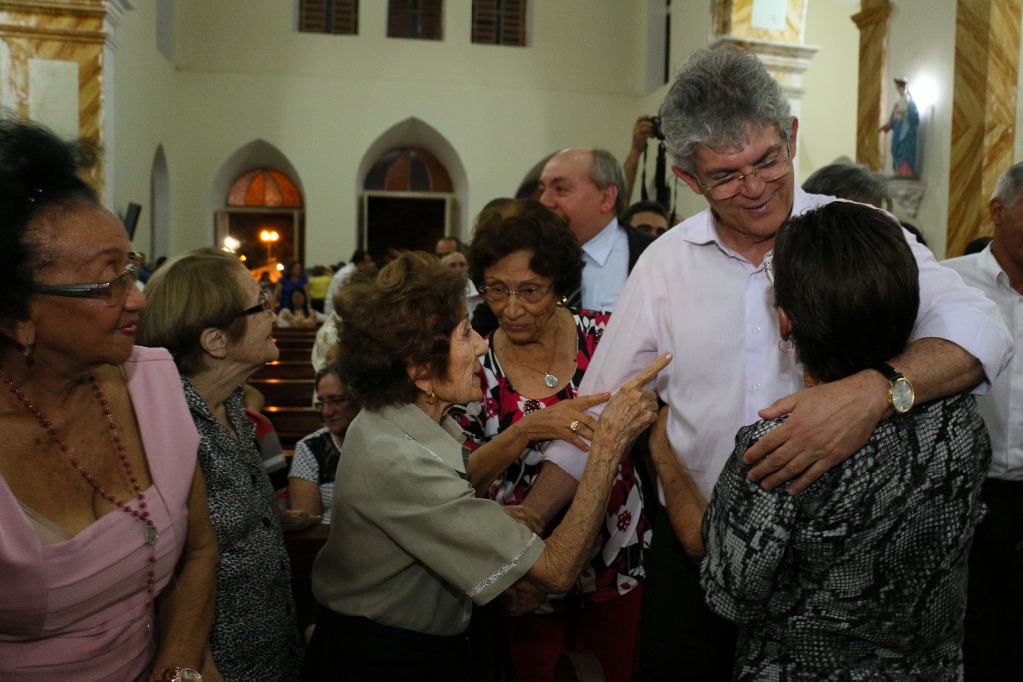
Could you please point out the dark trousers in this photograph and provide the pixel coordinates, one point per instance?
(353, 649)
(993, 646)
(680, 638)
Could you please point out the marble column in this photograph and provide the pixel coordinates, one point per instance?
(51, 64)
(873, 24)
(984, 114)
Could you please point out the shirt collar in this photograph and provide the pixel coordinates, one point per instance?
(988, 265)
(600, 246)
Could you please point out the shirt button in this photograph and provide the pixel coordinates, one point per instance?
(756, 330)
(756, 387)
(266, 522)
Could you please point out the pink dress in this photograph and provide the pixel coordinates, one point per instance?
(78, 609)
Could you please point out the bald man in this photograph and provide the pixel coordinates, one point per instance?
(587, 188)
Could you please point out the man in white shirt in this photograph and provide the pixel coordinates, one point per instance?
(586, 187)
(704, 295)
(994, 610)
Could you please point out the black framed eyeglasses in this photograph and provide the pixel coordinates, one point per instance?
(498, 293)
(115, 292)
(265, 305)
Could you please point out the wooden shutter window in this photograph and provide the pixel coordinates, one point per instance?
(419, 19)
(499, 22)
(340, 17)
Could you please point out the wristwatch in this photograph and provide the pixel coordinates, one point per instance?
(180, 675)
(900, 391)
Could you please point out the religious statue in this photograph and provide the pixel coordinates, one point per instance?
(903, 124)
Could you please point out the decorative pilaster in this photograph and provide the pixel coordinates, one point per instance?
(51, 65)
(873, 24)
(984, 112)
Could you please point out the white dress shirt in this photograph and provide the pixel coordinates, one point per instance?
(714, 310)
(1002, 406)
(607, 267)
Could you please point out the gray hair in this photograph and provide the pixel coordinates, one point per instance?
(853, 182)
(1009, 187)
(718, 94)
(606, 171)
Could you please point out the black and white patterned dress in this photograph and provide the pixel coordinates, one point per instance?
(863, 575)
(254, 636)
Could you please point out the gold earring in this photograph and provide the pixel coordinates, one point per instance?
(28, 351)
(431, 398)
(562, 302)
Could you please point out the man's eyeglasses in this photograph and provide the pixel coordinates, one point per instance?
(498, 293)
(333, 401)
(114, 292)
(733, 183)
(265, 305)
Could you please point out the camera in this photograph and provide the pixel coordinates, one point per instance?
(658, 131)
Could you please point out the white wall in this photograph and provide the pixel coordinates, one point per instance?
(828, 122)
(242, 73)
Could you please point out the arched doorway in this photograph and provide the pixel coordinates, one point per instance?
(264, 219)
(408, 201)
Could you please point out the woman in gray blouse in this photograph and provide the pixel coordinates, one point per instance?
(411, 547)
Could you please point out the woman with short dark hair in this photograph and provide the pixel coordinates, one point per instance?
(525, 261)
(311, 477)
(862, 575)
(411, 547)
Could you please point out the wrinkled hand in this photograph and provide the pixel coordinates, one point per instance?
(523, 597)
(641, 132)
(527, 516)
(297, 519)
(632, 408)
(828, 423)
(556, 421)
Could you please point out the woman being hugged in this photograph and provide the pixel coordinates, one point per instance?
(107, 556)
(525, 261)
(211, 314)
(411, 546)
(862, 575)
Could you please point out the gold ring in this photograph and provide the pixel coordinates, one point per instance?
(574, 426)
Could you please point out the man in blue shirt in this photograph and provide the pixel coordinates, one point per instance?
(587, 187)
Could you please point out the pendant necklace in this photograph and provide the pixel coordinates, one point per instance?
(141, 512)
(549, 379)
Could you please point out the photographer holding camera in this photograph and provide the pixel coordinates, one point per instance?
(647, 127)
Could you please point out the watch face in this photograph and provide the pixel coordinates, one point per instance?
(902, 395)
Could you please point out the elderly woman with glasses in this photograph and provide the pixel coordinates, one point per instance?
(525, 260)
(862, 575)
(311, 478)
(107, 556)
(216, 321)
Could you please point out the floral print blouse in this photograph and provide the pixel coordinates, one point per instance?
(615, 566)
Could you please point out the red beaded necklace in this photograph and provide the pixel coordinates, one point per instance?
(141, 513)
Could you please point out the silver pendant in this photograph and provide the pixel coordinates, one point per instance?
(551, 381)
(151, 535)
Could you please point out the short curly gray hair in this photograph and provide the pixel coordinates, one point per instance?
(719, 95)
